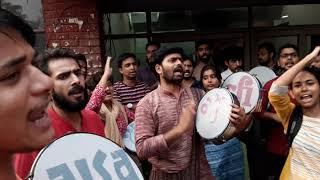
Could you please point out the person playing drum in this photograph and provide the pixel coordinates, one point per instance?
(24, 123)
(227, 160)
(304, 84)
(165, 124)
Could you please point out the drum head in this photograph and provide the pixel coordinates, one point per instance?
(84, 156)
(213, 113)
(263, 74)
(128, 138)
(245, 87)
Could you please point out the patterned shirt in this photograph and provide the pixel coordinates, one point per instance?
(130, 94)
(304, 155)
(157, 113)
(95, 103)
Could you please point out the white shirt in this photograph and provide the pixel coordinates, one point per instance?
(225, 74)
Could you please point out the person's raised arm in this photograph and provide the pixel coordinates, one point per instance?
(106, 74)
(99, 93)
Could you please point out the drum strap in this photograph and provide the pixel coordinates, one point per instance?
(294, 124)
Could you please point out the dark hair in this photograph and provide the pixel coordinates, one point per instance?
(153, 43)
(269, 47)
(214, 69)
(233, 52)
(164, 51)
(9, 20)
(92, 82)
(124, 56)
(54, 54)
(82, 58)
(202, 42)
(288, 45)
(188, 58)
(315, 71)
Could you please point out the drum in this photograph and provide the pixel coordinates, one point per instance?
(128, 138)
(212, 120)
(263, 74)
(83, 156)
(247, 89)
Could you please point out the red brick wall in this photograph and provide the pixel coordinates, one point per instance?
(74, 24)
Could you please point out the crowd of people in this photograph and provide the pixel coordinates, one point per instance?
(47, 95)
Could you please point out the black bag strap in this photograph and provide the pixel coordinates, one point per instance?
(294, 124)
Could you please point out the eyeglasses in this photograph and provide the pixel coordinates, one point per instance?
(287, 55)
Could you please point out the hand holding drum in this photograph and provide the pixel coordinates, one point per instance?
(239, 119)
(219, 116)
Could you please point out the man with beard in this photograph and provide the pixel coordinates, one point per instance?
(69, 98)
(165, 129)
(266, 55)
(145, 73)
(203, 54)
(188, 79)
(276, 141)
(129, 91)
(233, 57)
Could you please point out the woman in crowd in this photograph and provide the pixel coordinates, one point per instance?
(228, 160)
(301, 121)
(110, 110)
(24, 123)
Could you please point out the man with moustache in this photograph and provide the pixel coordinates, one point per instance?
(165, 130)
(203, 54)
(276, 141)
(145, 73)
(129, 90)
(188, 79)
(266, 55)
(233, 60)
(69, 98)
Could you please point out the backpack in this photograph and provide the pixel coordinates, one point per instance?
(295, 123)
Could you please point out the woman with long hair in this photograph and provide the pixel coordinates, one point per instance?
(227, 160)
(300, 121)
(111, 111)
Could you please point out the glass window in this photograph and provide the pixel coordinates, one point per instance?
(221, 18)
(125, 23)
(306, 14)
(200, 20)
(172, 21)
(277, 42)
(30, 11)
(118, 46)
(312, 42)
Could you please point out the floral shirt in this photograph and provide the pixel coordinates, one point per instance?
(95, 103)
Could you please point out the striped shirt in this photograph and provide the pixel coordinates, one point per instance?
(304, 156)
(130, 94)
(157, 113)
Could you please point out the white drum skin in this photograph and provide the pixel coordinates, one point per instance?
(246, 87)
(84, 156)
(212, 120)
(263, 74)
